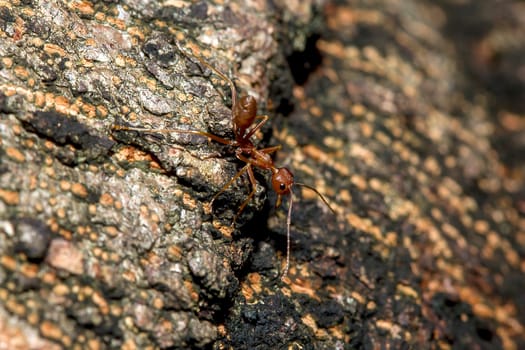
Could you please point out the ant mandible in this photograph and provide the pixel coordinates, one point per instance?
(244, 115)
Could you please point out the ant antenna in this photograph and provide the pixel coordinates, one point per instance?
(319, 194)
(288, 224)
(289, 220)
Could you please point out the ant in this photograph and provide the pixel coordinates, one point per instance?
(244, 115)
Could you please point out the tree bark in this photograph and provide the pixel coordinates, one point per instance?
(396, 113)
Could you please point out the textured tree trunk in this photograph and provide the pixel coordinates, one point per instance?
(407, 116)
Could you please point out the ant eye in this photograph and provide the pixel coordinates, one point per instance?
(282, 186)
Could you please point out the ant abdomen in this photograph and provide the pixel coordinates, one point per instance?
(244, 112)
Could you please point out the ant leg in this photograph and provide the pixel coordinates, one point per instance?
(270, 150)
(223, 76)
(229, 183)
(180, 131)
(257, 126)
(251, 176)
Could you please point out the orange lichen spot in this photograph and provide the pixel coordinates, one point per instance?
(29, 270)
(65, 185)
(144, 211)
(136, 32)
(118, 205)
(21, 72)
(10, 91)
(129, 276)
(332, 48)
(49, 145)
(68, 235)
(482, 310)
(97, 252)
(49, 99)
(89, 110)
(33, 182)
(385, 324)
(158, 303)
(61, 213)
(51, 201)
(371, 305)
(29, 143)
(50, 330)
(66, 341)
(82, 7)
(106, 199)
(90, 42)
(116, 310)
(194, 295)
(17, 130)
(4, 294)
(62, 104)
(15, 307)
(48, 161)
(359, 181)
(61, 289)
(155, 218)
(316, 111)
(512, 257)
(102, 111)
(114, 257)
(33, 318)
(165, 326)
(128, 344)
(481, 226)
(8, 262)
(117, 23)
(93, 236)
(309, 320)
(358, 110)
(247, 292)
(129, 62)
(9, 197)
(105, 256)
(102, 304)
(407, 290)
(383, 138)
(316, 153)
(92, 209)
(50, 172)
(79, 190)
(7, 62)
(15, 154)
(93, 168)
(300, 286)
(49, 278)
(391, 239)
(52, 49)
(100, 16)
(175, 252)
(40, 99)
(225, 230)
(255, 282)
(333, 142)
(378, 185)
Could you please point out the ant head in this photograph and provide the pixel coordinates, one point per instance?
(282, 182)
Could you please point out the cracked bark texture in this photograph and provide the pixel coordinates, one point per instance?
(407, 116)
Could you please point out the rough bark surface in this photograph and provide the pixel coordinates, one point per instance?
(407, 116)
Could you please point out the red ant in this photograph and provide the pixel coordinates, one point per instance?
(244, 114)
